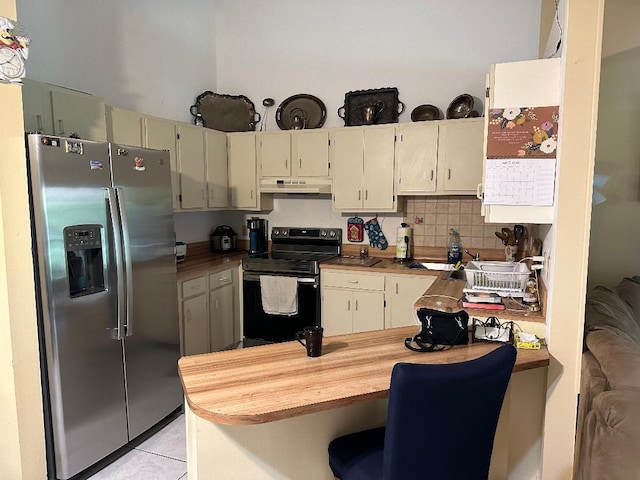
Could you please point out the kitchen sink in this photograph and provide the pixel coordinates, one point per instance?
(358, 261)
(438, 266)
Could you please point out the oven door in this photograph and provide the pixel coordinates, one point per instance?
(279, 328)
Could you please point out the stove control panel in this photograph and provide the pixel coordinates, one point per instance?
(308, 233)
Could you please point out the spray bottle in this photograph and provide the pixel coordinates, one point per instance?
(454, 253)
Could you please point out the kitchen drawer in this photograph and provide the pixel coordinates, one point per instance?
(194, 286)
(357, 281)
(221, 278)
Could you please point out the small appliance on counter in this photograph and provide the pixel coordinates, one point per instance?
(181, 251)
(258, 243)
(222, 239)
(404, 242)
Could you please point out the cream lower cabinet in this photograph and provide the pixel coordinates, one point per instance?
(194, 316)
(362, 166)
(221, 308)
(352, 302)
(402, 292)
(208, 305)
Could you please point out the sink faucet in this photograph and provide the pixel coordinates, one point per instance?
(475, 257)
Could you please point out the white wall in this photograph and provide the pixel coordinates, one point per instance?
(152, 56)
(431, 51)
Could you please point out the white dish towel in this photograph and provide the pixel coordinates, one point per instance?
(279, 295)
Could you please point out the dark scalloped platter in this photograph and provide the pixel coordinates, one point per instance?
(301, 111)
(226, 113)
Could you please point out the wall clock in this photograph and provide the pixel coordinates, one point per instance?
(11, 63)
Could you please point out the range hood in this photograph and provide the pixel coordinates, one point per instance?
(295, 185)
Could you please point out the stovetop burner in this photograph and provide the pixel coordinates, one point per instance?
(296, 250)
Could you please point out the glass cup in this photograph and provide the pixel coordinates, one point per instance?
(312, 337)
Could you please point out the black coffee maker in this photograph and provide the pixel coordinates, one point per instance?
(257, 236)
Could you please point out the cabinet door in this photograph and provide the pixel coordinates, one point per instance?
(379, 147)
(192, 166)
(124, 127)
(161, 135)
(195, 315)
(416, 157)
(368, 311)
(460, 155)
(275, 154)
(336, 311)
(36, 103)
(347, 154)
(242, 171)
(78, 113)
(404, 291)
(310, 153)
(221, 317)
(217, 173)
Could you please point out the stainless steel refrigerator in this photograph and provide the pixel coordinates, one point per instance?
(105, 271)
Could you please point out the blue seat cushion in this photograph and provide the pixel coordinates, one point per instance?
(358, 455)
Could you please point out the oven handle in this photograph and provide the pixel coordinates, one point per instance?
(254, 277)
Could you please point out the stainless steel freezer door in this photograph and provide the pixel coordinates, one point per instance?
(86, 376)
(142, 179)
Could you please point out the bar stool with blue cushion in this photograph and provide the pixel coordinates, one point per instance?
(441, 422)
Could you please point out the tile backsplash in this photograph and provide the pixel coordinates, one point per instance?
(432, 217)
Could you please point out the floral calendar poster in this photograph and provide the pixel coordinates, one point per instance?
(522, 132)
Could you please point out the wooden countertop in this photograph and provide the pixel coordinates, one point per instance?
(274, 382)
(385, 265)
(445, 294)
(202, 263)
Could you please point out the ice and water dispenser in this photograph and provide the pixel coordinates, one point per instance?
(85, 272)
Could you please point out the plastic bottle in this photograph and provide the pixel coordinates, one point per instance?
(454, 253)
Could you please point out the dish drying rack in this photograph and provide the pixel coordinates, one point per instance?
(503, 278)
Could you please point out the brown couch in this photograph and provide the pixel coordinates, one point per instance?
(608, 438)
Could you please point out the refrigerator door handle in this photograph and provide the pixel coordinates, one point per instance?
(128, 268)
(117, 249)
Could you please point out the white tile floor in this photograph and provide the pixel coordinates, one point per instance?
(161, 457)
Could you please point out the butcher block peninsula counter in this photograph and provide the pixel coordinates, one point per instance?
(270, 411)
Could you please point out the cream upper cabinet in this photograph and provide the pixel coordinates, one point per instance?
(362, 166)
(243, 178)
(440, 157)
(36, 101)
(191, 163)
(295, 153)
(242, 170)
(460, 155)
(532, 83)
(160, 134)
(217, 172)
(54, 110)
(402, 292)
(347, 155)
(310, 153)
(124, 127)
(76, 113)
(416, 158)
(274, 154)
